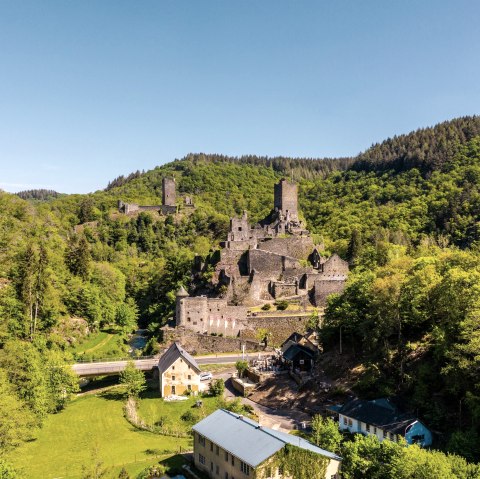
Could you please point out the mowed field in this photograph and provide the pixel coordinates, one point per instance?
(92, 422)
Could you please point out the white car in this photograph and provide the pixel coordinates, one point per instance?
(205, 376)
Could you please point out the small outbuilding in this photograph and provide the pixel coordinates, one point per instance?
(299, 357)
(178, 372)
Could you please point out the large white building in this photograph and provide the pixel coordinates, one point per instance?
(230, 446)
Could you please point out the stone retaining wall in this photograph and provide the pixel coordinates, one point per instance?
(196, 343)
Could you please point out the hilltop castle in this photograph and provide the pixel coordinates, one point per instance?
(274, 259)
(169, 201)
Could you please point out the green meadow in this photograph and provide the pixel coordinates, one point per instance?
(92, 428)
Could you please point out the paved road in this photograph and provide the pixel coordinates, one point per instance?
(105, 368)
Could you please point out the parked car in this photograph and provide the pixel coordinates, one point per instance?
(205, 376)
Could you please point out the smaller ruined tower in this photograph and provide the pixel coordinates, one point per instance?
(180, 307)
(285, 198)
(168, 192)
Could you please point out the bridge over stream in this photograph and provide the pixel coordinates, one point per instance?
(113, 367)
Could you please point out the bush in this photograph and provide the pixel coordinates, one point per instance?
(281, 305)
(266, 307)
(217, 387)
(189, 416)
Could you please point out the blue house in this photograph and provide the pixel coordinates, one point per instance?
(381, 418)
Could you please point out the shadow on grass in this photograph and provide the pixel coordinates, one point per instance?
(113, 395)
(150, 394)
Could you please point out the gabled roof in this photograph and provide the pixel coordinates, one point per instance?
(296, 349)
(379, 412)
(247, 440)
(294, 337)
(174, 352)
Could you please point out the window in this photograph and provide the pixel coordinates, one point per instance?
(189, 387)
(211, 446)
(226, 456)
(349, 422)
(375, 430)
(173, 378)
(201, 440)
(189, 377)
(226, 475)
(174, 391)
(217, 469)
(367, 427)
(173, 368)
(201, 459)
(245, 468)
(211, 466)
(344, 421)
(217, 450)
(233, 461)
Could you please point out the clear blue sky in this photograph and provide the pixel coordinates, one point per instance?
(90, 90)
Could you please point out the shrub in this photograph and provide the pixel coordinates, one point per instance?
(266, 307)
(217, 387)
(281, 305)
(189, 416)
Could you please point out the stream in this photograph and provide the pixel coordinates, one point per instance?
(137, 341)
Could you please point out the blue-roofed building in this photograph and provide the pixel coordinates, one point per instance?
(381, 418)
(231, 446)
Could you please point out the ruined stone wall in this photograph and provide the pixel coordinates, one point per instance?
(335, 266)
(167, 210)
(148, 208)
(284, 290)
(296, 247)
(168, 192)
(278, 327)
(210, 315)
(239, 229)
(325, 287)
(194, 312)
(259, 290)
(265, 263)
(196, 343)
(233, 262)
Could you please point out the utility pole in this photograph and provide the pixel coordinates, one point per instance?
(341, 339)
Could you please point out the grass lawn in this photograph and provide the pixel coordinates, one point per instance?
(217, 368)
(68, 439)
(152, 409)
(103, 344)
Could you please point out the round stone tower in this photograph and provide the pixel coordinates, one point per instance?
(180, 307)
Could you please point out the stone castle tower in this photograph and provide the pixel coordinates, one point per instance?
(285, 198)
(168, 192)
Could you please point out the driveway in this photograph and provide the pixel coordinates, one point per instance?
(280, 419)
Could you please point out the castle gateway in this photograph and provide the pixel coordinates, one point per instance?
(260, 264)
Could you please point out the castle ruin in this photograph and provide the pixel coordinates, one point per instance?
(168, 206)
(260, 264)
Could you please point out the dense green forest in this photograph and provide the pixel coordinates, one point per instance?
(405, 213)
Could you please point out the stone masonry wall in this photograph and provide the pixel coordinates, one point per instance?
(278, 327)
(296, 247)
(325, 287)
(265, 263)
(196, 343)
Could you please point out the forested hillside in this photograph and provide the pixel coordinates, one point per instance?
(405, 214)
